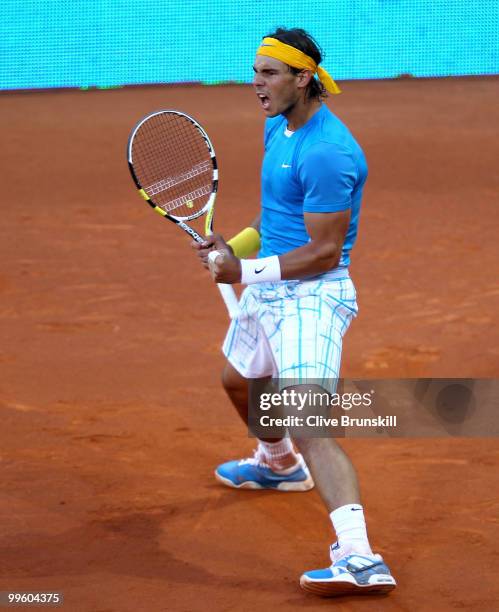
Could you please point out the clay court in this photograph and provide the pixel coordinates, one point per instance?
(113, 417)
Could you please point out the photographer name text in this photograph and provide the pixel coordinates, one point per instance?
(314, 420)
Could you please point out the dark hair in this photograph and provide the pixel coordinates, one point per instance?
(303, 41)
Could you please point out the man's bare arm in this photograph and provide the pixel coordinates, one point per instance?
(327, 233)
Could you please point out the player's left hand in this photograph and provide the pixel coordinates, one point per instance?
(226, 267)
(203, 249)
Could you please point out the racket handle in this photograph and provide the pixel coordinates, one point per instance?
(228, 294)
(230, 298)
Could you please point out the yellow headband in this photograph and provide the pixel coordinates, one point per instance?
(271, 47)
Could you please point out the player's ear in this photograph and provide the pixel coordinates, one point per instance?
(304, 78)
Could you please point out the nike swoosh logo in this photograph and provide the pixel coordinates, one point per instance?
(355, 509)
(286, 166)
(260, 270)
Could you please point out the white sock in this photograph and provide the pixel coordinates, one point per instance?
(350, 527)
(278, 454)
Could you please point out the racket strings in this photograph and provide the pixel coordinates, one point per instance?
(172, 162)
(164, 184)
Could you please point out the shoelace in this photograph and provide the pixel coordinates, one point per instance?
(337, 554)
(258, 459)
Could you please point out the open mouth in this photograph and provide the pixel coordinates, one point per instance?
(264, 101)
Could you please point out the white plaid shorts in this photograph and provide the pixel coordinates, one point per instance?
(292, 329)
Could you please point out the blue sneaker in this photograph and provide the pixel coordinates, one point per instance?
(254, 473)
(349, 575)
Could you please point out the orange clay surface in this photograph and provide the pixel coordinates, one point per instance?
(112, 415)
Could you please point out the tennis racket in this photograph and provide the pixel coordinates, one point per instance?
(173, 165)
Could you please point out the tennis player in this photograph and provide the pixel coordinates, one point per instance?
(299, 299)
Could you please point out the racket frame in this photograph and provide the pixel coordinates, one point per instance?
(227, 291)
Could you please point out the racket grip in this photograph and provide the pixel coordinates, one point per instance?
(230, 298)
(228, 294)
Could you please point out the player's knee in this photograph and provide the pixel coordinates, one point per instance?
(233, 382)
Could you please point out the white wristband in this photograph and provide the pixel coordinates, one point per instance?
(267, 269)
